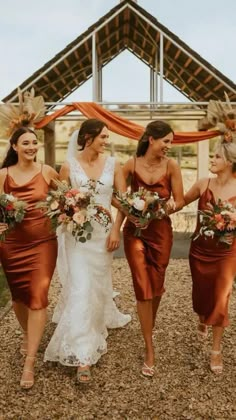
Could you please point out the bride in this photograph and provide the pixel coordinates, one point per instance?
(86, 308)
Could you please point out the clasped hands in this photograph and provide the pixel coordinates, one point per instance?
(170, 207)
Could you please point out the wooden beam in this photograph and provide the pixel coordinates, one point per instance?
(207, 79)
(188, 61)
(177, 54)
(55, 69)
(50, 83)
(167, 45)
(218, 87)
(49, 144)
(208, 94)
(196, 72)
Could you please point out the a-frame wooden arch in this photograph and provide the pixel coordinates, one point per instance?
(126, 27)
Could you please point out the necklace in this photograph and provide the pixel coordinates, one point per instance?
(151, 167)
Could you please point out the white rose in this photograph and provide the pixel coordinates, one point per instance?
(10, 197)
(91, 211)
(54, 205)
(139, 204)
(209, 233)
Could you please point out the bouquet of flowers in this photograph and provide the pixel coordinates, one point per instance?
(75, 209)
(143, 204)
(12, 211)
(219, 221)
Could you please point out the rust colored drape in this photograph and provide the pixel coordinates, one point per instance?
(121, 125)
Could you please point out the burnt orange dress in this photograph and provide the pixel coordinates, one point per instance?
(29, 253)
(213, 267)
(148, 255)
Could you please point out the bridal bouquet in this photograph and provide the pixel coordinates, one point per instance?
(12, 211)
(75, 209)
(219, 221)
(143, 204)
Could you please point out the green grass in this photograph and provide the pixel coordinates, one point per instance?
(4, 291)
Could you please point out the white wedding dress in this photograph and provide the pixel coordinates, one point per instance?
(86, 308)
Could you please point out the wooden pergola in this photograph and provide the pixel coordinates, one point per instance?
(126, 27)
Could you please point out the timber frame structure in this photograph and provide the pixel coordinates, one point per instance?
(127, 26)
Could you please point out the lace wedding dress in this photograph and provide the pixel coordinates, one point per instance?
(86, 308)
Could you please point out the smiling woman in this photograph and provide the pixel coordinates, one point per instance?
(86, 308)
(28, 244)
(213, 265)
(148, 255)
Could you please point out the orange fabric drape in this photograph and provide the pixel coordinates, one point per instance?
(121, 125)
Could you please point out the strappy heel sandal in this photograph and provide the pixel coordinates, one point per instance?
(25, 383)
(84, 376)
(217, 369)
(23, 348)
(202, 331)
(148, 370)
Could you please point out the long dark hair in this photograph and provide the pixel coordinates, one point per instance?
(157, 129)
(89, 129)
(12, 157)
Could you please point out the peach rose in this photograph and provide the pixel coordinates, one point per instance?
(79, 218)
(62, 218)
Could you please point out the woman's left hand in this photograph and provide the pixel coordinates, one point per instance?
(170, 206)
(3, 227)
(113, 240)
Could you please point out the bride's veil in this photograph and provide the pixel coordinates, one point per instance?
(72, 145)
(62, 262)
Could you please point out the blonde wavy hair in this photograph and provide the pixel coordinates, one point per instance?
(228, 152)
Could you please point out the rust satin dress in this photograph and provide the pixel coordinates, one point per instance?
(213, 267)
(29, 252)
(148, 255)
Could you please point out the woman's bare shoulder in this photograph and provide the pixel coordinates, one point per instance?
(130, 163)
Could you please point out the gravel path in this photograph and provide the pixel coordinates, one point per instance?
(183, 387)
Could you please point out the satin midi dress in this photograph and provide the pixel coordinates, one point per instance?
(148, 255)
(29, 252)
(213, 267)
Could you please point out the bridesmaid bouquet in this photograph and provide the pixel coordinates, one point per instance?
(219, 221)
(12, 211)
(143, 204)
(75, 209)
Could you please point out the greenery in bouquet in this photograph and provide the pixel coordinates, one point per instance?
(75, 209)
(12, 211)
(143, 204)
(218, 221)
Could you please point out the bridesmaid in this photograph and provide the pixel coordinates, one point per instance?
(29, 253)
(148, 255)
(213, 266)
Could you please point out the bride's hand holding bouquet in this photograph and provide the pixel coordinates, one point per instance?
(75, 209)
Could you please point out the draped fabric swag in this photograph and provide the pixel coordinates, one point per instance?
(121, 125)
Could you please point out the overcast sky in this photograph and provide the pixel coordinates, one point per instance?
(33, 32)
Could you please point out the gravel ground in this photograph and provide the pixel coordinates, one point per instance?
(183, 387)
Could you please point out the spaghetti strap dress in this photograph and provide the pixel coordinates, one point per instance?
(213, 267)
(148, 255)
(29, 252)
